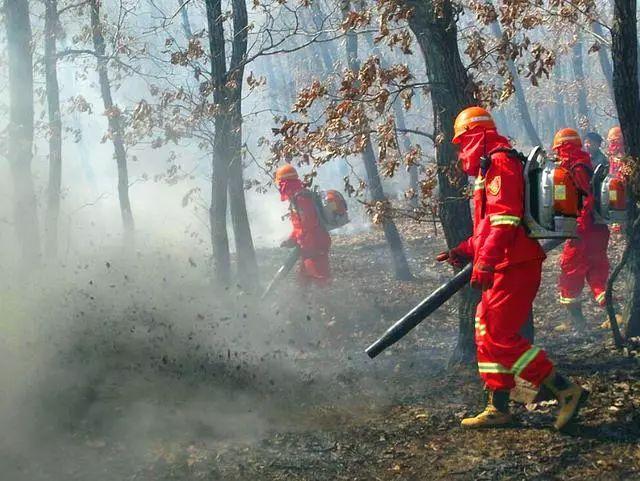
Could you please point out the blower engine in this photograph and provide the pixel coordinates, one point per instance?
(610, 196)
(332, 208)
(552, 200)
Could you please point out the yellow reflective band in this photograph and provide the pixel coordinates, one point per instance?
(504, 220)
(493, 368)
(613, 195)
(482, 118)
(569, 300)
(478, 184)
(600, 297)
(524, 360)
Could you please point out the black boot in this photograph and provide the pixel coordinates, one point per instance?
(576, 316)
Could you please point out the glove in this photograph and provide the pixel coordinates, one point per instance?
(288, 243)
(453, 257)
(482, 277)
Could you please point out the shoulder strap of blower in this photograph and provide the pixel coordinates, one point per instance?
(485, 162)
(316, 202)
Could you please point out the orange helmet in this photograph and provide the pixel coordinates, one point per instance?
(470, 118)
(615, 133)
(569, 136)
(285, 172)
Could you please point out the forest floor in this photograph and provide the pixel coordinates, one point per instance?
(176, 388)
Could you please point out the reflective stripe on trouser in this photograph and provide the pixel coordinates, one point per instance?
(583, 260)
(504, 309)
(569, 300)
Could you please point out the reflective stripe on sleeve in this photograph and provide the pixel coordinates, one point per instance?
(600, 298)
(504, 220)
(478, 184)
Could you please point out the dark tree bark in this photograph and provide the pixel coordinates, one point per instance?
(227, 183)
(221, 147)
(55, 127)
(603, 57)
(451, 92)
(374, 183)
(577, 62)
(115, 123)
(245, 251)
(624, 52)
(521, 99)
(20, 129)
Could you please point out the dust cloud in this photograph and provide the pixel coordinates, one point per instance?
(111, 355)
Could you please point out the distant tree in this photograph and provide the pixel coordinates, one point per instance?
(227, 176)
(20, 130)
(55, 126)
(374, 184)
(577, 62)
(114, 116)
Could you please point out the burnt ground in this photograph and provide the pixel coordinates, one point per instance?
(176, 388)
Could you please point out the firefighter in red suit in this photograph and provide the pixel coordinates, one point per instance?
(615, 149)
(584, 258)
(507, 268)
(308, 234)
(615, 153)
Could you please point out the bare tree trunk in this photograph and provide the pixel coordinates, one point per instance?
(318, 17)
(521, 100)
(450, 93)
(624, 52)
(577, 62)
(245, 251)
(55, 127)
(227, 181)
(398, 111)
(374, 184)
(603, 57)
(20, 129)
(391, 234)
(115, 124)
(221, 149)
(414, 183)
(273, 85)
(184, 15)
(560, 111)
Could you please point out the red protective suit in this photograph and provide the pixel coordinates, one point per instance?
(615, 152)
(308, 234)
(499, 242)
(584, 258)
